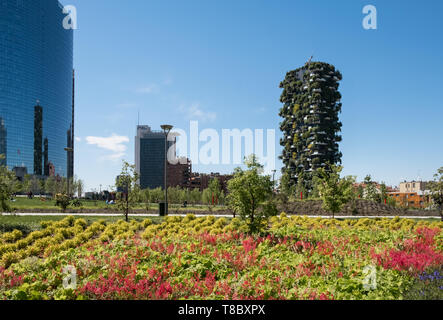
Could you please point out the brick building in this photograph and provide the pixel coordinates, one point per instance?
(179, 175)
(412, 195)
(201, 181)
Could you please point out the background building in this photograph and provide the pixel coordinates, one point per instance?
(36, 86)
(201, 181)
(411, 187)
(412, 195)
(150, 163)
(150, 157)
(178, 175)
(310, 123)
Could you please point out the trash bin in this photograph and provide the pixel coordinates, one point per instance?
(163, 208)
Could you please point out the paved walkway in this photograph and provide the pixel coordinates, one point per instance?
(184, 215)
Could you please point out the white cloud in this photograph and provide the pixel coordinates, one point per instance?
(114, 143)
(261, 110)
(155, 87)
(194, 112)
(127, 105)
(113, 157)
(168, 81)
(78, 139)
(149, 89)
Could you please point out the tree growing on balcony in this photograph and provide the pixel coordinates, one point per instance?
(310, 126)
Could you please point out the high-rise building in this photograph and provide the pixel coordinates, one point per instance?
(3, 142)
(150, 157)
(36, 64)
(310, 123)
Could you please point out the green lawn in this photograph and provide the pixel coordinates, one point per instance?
(36, 203)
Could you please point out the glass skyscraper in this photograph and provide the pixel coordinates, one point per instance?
(36, 87)
(150, 157)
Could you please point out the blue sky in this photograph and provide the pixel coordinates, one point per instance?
(221, 62)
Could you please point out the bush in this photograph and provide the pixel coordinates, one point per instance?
(76, 203)
(62, 201)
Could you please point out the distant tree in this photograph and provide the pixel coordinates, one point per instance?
(60, 185)
(26, 184)
(174, 195)
(335, 191)
(156, 195)
(250, 194)
(221, 198)
(215, 190)
(42, 186)
(80, 186)
(8, 186)
(436, 188)
(50, 186)
(183, 195)
(207, 196)
(195, 196)
(371, 193)
(286, 186)
(316, 182)
(360, 192)
(35, 185)
(131, 192)
(146, 198)
(383, 193)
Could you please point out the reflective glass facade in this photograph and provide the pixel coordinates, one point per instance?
(36, 85)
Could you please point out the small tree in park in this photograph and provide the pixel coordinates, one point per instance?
(8, 186)
(156, 195)
(436, 188)
(195, 196)
(250, 195)
(335, 191)
(127, 182)
(215, 190)
(146, 198)
(50, 186)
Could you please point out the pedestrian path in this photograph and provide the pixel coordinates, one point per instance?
(184, 215)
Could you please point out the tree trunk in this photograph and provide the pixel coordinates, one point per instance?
(127, 211)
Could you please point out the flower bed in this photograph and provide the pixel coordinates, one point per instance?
(209, 258)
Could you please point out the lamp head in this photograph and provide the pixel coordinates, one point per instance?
(166, 127)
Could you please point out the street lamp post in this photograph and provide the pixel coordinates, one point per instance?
(68, 150)
(166, 129)
(273, 180)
